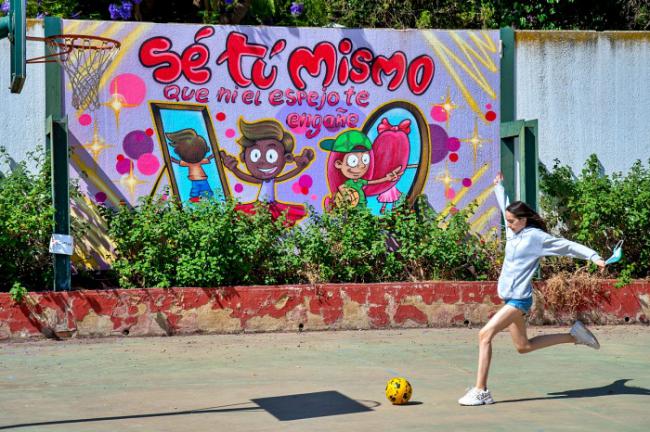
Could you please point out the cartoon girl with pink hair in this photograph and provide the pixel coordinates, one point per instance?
(390, 149)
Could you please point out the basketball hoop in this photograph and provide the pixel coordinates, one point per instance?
(85, 59)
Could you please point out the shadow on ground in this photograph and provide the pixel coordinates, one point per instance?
(618, 387)
(283, 408)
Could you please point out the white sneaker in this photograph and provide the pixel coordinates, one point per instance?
(476, 397)
(583, 336)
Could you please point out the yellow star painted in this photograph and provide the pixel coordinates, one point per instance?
(97, 145)
(117, 102)
(475, 140)
(446, 178)
(448, 105)
(130, 182)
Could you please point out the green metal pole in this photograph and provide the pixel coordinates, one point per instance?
(61, 198)
(53, 75)
(58, 151)
(4, 27)
(507, 106)
(507, 94)
(532, 164)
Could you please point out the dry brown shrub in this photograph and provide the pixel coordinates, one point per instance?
(569, 295)
(312, 273)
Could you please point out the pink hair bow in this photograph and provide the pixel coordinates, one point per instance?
(404, 126)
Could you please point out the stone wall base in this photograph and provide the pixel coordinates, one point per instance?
(156, 311)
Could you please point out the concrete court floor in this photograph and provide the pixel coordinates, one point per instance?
(332, 381)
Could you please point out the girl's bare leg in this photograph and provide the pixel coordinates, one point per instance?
(525, 345)
(502, 319)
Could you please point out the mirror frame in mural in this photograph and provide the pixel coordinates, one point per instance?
(156, 107)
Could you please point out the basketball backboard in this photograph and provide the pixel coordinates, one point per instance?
(13, 26)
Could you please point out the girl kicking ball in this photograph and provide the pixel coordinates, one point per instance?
(527, 240)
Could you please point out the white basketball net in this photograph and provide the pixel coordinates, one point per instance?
(84, 59)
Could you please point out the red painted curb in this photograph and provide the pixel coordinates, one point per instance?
(159, 311)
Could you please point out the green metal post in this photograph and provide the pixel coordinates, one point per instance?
(520, 133)
(57, 147)
(532, 164)
(14, 27)
(53, 75)
(509, 130)
(521, 163)
(4, 27)
(507, 94)
(507, 106)
(58, 138)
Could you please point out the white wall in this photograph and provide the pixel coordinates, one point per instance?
(590, 92)
(22, 116)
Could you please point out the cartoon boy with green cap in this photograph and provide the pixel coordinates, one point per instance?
(349, 161)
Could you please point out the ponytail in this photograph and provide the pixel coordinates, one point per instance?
(522, 210)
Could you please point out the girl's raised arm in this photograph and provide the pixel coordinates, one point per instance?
(503, 201)
(556, 246)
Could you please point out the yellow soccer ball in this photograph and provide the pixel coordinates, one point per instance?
(398, 391)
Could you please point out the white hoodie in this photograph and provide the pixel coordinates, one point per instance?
(523, 251)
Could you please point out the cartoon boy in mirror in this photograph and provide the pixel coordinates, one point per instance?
(266, 148)
(191, 149)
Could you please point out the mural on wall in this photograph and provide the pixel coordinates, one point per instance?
(293, 117)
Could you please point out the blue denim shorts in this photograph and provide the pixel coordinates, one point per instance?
(521, 304)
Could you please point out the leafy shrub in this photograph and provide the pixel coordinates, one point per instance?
(435, 248)
(18, 292)
(26, 223)
(58, 8)
(160, 243)
(441, 14)
(598, 210)
(346, 245)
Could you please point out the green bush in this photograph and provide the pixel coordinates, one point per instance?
(440, 14)
(431, 247)
(160, 243)
(18, 292)
(346, 245)
(598, 210)
(58, 8)
(26, 223)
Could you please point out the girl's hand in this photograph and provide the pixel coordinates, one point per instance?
(600, 263)
(498, 179)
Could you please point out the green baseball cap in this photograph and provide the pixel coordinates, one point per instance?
(348, 141)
